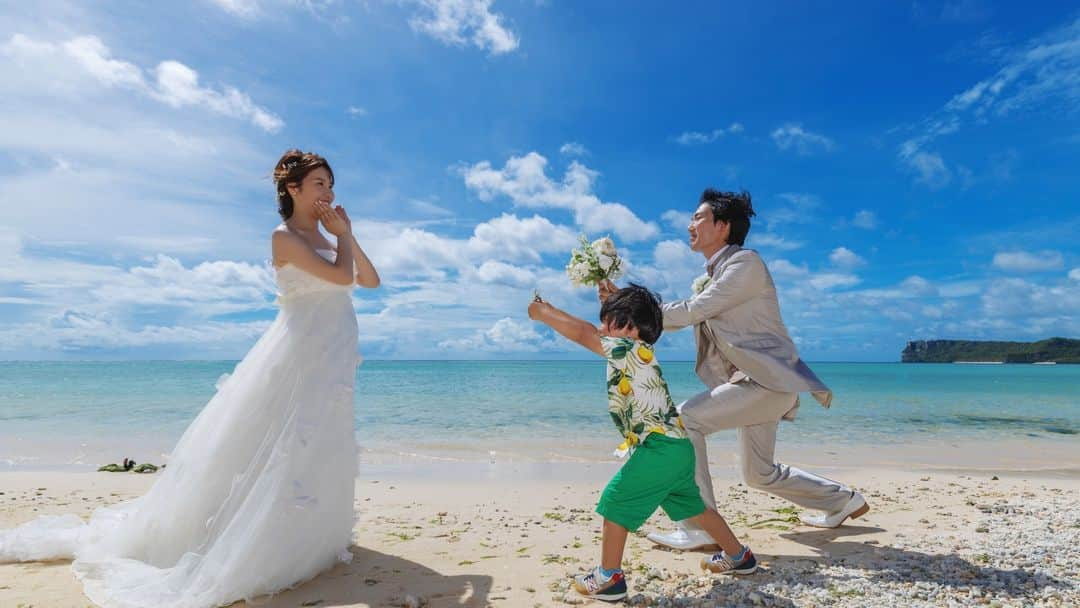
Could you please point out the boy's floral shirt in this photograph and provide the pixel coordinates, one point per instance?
(638, 397)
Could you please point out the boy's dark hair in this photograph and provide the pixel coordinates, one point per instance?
(635, 306)
(733, 208)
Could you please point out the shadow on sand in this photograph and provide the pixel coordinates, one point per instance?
(366, 581)
(884, 564)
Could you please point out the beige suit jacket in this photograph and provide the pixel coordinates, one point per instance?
(737, 323)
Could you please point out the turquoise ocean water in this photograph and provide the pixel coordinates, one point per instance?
(552, 410)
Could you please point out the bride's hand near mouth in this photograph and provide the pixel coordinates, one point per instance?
(336, 221)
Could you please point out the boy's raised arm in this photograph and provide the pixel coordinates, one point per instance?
(571, 327)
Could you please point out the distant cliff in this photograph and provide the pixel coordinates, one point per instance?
(1059, 350)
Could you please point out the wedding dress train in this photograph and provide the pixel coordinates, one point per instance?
(258, 492)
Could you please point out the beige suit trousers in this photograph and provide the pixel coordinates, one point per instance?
(755, 411)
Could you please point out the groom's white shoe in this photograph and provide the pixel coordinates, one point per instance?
(856, 507)
(683, 539)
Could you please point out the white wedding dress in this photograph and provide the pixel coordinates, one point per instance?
(258, 493)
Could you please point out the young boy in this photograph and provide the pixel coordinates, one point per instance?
(660, 471)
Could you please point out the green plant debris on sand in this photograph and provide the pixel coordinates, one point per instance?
(555, 558)
(790, 514)
(145, 467)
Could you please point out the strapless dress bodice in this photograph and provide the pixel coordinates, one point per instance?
(292, 281)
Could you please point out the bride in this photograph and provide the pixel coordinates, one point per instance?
(258, 494)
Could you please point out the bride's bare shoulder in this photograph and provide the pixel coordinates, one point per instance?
(282, 234)
(283, 244)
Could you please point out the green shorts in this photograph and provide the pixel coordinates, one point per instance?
(660, 473)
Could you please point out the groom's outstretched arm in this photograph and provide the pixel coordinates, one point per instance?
(742, 278)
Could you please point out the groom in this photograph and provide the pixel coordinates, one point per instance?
(749, 363)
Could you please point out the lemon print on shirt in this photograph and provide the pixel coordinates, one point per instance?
(644, 354)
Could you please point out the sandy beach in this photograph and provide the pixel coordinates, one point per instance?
(475, 534)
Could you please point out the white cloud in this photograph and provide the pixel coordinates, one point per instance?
(356, 111)
(69, 306)
(829, 280)
(694, 138)
(505, 274)
(92, 54)
(524, 181)
(929, 167)
(671, 271)
(573, 148)
(239, 8)
(412, 253)
(767, 240)
(509, 237)
(76, 331)
(216, 287)
(672, 253)
(897, 314)
(912, 287)
(461, 22)
(1024, 261)
(257, 9)
(792, 136)
(845, 258)
(213, 287)
(1017, 300)
(1074, 274)
(178, 86)
(1040, 73)
(506, 335)
(174, 83)
(801, 208)
(918, 286)
(783, 269)
(933, 312)
(428, 208)
(1047, 67)
(865, 219)
(678, 220)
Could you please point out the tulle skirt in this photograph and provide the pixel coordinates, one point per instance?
(258, 493)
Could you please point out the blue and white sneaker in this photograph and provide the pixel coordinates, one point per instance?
(722, 563)
(597, 586)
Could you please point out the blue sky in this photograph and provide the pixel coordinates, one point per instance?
(913, 165)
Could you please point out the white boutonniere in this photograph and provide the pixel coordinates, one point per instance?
(701, 283)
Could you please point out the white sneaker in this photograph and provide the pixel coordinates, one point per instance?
(856, 507)
(683, 539)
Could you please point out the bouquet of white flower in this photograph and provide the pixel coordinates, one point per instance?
(593, 262)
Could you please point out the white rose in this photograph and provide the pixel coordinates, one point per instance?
(605, 262)
(605, 246)
(578, 272)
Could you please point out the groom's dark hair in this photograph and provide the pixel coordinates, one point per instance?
(635, 306)
(732, 207)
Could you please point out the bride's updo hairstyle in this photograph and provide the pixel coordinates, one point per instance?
(290, 171)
